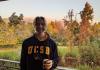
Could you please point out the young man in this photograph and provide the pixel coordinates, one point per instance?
(39, 52)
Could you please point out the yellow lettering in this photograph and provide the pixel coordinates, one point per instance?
(41, 49)
(35, 49)
(30, 49)
(47, 50)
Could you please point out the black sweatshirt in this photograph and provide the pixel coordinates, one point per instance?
(34, 51)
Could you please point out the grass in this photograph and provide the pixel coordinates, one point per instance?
(63, 51)
(84, 67)
(14, 53)
(10, 53)
(87, 67)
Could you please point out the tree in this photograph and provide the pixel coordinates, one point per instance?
(21, 17)
(87, 13)
(51, 28)
(14, 19)
(75, 32)
(72, 29)
(1, 20)
(7, 35)
(86, 17)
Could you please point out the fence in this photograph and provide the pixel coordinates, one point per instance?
(9, 65)
(14, 65)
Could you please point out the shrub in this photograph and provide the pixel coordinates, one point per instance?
(84, 67)
(90, 55)
(97, 68)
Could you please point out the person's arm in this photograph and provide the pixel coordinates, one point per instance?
(23, 58)
(54, 56)
(51, 64)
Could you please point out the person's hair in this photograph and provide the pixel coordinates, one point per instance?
(38, 18)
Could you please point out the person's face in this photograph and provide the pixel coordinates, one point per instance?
(40, 26)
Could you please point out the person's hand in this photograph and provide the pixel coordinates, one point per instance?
(47, 64)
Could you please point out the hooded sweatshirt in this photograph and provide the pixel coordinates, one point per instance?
(35, 51)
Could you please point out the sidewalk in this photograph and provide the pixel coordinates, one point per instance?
(64, 68)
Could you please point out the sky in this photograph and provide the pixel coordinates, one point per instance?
(56, 9)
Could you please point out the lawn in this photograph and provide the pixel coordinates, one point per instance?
(14, 53)
(63, 51)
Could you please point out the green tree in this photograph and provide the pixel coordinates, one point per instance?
(14, 19)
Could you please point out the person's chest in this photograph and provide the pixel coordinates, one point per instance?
(38, 50)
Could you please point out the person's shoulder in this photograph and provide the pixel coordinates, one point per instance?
(52, 41)
(29, 39)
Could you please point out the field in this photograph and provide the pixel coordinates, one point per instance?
(12, 53)
(72, 56)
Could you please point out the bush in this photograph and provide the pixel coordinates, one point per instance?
(97, 68)
(68, 57)
(87, 67)
(90, 55)
(84, 67)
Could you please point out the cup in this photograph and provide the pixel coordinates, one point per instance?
(44, 62)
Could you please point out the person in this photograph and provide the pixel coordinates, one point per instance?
(39, 52)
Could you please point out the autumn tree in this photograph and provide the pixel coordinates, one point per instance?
(7, 35)
(95, 37)
(75, 31)
(87, 13)
(51, 29)
(72, 29)
(56, 30)
(86, 16)
(68, 23)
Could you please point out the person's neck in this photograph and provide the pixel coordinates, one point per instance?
(41, 36)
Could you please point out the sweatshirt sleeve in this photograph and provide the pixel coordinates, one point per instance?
(23, 57)
(54, 56)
